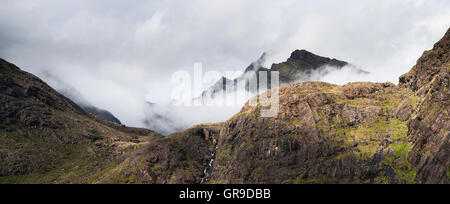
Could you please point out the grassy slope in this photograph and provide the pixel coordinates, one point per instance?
(46, 138)
(357, 133)
(46, 160)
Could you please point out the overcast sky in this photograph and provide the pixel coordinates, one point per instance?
(118, 53)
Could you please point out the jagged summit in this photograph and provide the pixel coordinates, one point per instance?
(298, 67)
(258, 64)
(314, 60)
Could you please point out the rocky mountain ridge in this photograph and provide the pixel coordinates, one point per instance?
(47, 138)
(298, 67)
(324, 133)
(76, 97)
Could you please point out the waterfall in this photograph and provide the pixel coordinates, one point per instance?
(209, 166)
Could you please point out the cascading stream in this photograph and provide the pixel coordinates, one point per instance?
(209, 166)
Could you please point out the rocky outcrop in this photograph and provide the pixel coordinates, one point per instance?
(176, 159)
(357, 133)
(326, 134)
(428, 66)
(429, 124)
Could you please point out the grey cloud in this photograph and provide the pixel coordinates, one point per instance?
(119, 54)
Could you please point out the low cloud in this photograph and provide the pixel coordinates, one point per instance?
(339, 76)
(120, 55)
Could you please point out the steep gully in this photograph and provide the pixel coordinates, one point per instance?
(209, 165)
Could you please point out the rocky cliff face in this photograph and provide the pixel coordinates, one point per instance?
(429, 124)
(324, 133)
(357, 133)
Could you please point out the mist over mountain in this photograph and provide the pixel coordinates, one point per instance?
(178, 92)
(299, 67)
(77, 97)
(361, 133)
(121, 55)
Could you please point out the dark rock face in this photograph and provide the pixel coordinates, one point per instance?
(428, 66)
(301, 64)
(103, 114)
(298, 67)
(430, 125)
(312, 61)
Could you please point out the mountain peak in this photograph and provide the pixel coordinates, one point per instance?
(301, 63)
(307, 57)
(258, 64)
(301, 54)
(297, 68)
